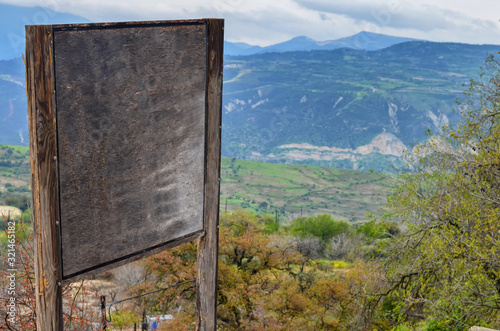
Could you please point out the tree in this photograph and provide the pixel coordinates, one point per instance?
(446, 267)
(265, 283)
(323, 227)
(80, 308)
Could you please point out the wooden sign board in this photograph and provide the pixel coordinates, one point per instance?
(131, 139)
(125, 131)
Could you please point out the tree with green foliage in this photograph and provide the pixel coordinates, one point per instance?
(264, 283)
(323, 227)
(18, 200)
(444, 270)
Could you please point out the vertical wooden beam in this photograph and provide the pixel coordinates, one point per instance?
(208, 245)
(44, 183)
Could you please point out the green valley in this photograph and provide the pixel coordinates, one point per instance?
(299, 190)
(290, 190)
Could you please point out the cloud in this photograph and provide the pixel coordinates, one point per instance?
(283, 19)
(423, 19)
(265, 22)
(259, 21)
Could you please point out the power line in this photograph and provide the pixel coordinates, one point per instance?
(148, 293)
(141, 295)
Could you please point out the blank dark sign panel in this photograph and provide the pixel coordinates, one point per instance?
(131, 136)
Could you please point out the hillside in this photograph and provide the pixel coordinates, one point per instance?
(14, 181)
(343, 108)
(13, 109)
(293, 190)
(14, 18)
(14, 169)
(298, 190)
(13, 103)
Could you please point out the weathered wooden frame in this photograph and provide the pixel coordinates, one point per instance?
(42, 111)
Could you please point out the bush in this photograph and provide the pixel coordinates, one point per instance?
(310, 247)
(378, 230)
(340, 247)
(323, 227)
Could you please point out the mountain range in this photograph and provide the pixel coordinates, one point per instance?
(344, 108)
(358, 106)
(14, 18)
(362, 41)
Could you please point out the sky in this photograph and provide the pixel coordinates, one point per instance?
(265, 22)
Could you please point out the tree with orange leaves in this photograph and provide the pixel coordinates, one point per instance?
(17, 306)
(264, 283)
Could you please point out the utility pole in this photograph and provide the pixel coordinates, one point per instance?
(144, 326)
(104, 322)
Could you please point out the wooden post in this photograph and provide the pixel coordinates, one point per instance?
(44, 183)
(206, 281)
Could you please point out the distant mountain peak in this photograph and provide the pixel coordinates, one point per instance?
(370, 41)
(377, 35)
(303, 38)
(367, 33)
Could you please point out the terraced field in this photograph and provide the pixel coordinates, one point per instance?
(296, 190)
(290, 190)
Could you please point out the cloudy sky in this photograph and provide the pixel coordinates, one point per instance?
(265, 22)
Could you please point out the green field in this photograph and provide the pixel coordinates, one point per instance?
(299, 190)
(14, 169)
(292, 190)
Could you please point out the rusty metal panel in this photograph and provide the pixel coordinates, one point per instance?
(131, 104)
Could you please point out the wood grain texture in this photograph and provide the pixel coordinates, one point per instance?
(131, 128)
(208, 245)
(43, 152)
